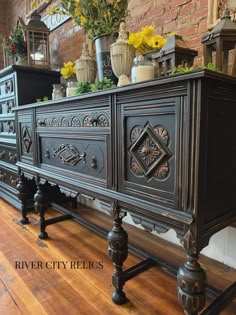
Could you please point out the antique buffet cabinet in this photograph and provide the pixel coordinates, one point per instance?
(18, 85)
(163, 150)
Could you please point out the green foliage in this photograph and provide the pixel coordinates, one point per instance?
(180, 69)
(15, 42)
(84, 87)
(210, 66)
(102, 85)
(43, 99)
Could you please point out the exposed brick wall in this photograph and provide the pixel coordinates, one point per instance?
(185, 17)
(3, 25)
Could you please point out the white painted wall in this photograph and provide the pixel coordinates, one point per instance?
(222, 245)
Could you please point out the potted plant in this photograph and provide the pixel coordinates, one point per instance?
(68, 72)
(15, 44)
(99, 18)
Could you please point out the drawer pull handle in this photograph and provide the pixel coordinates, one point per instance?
(13, 181)
(94, 162)
(41, 123)
(3, 176)
(2, 154)
(93, 121)
(47, 154)
(12, 157)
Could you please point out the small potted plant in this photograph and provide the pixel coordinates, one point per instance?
(68, 72)
(15, 45)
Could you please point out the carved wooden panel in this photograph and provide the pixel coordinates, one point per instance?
(7, 87)
(7, 153)
(7, 127)
(78, 154)
(8, 177)
(75, 119)
(25, 137)
(7, 106)
(150, 134)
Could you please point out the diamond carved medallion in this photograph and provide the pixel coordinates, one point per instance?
(149, 151)
(26, 139)
(68, 154)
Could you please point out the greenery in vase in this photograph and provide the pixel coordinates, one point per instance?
(14, 43)
(97, 17)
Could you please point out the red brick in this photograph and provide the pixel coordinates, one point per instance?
(188, 9)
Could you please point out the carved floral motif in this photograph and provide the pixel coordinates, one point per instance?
(149, 151)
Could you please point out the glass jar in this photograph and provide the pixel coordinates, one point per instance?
(71, 87)
(58, 91)
(142, 70)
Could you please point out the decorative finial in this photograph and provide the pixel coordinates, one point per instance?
(226, 14)
(123, 34)
(85, 50)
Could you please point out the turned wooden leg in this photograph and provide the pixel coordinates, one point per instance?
(40, 205)
(192, 282)
(22, 194)
(118, 252)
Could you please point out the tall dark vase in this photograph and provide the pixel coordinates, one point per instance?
(103, 58)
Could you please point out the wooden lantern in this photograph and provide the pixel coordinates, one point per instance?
(173, 54)
(37, 37)
(220, 43)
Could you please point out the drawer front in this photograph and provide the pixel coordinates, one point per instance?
(8, 154)
(7, 126)
(8, 177)
(77, 118)
(6, 106)
(149, 155)
(83, 157)
(7, 86)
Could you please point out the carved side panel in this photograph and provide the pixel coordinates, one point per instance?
(150, 160)
(26, 137)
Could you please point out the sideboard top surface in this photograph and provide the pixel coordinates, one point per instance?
(180, 80)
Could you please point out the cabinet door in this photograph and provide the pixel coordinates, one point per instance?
(25, 137)
(149, 151)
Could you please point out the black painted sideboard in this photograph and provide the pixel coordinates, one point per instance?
(18, 85)
(163, 150)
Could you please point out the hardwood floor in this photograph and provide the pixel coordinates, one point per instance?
(59, 280)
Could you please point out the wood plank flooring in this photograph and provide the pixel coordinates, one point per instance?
(81, 291)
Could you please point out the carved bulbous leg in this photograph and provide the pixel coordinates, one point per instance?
(192, 282)
(118, 252)
(22, 194)
(40, 205)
